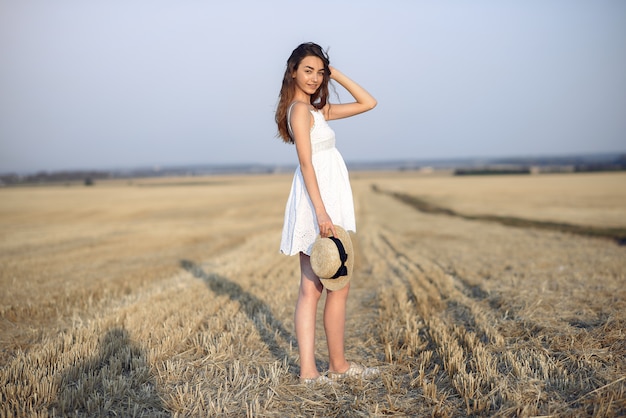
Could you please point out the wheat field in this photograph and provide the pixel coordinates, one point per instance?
(168, 297)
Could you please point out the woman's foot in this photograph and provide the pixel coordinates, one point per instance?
(356, 370)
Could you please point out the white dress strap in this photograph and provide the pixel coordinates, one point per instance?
(289, 120)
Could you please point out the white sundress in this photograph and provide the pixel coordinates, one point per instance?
(300, 228)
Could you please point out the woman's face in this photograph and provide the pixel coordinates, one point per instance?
(309, 75)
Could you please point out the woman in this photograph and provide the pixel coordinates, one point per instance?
(320, 197)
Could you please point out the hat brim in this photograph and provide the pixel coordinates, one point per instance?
(341, 281)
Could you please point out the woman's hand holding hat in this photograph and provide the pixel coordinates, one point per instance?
(326, 226)
(332, 259)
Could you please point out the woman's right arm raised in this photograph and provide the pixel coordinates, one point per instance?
(301, 126)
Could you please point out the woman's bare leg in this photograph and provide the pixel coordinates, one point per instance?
(306, 311)
(335, 325)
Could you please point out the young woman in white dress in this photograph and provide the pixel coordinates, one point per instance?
(320, 198)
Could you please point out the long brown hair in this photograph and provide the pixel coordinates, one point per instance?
(287, 91)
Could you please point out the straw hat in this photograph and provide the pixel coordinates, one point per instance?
(332, 259)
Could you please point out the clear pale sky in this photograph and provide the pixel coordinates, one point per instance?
(120, 84)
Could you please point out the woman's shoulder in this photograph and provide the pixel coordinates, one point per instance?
(306, 109)
(301, 106)
(300, 109)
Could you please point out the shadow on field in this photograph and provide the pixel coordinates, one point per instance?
(115, 382)
(259, 313)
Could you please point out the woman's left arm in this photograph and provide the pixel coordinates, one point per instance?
(364, 100)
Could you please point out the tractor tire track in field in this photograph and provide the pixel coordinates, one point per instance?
(443, 330)
(447, 338)
(616, 234)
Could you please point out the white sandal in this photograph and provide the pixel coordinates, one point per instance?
(356, 370)
(315, 381)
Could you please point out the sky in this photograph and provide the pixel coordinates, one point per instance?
(142, 83)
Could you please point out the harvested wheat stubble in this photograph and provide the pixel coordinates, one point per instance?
(173, 300)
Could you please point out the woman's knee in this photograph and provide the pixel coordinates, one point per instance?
(309, 289)
(309, 283)
(341, 294)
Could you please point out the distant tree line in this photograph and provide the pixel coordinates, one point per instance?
(89, 177)
(617, 165)
(545, 165)
(86, 177)
(496, 166)
(490, 171)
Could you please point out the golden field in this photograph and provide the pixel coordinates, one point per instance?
(168, 297)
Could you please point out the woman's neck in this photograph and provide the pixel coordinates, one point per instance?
(301, 96)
